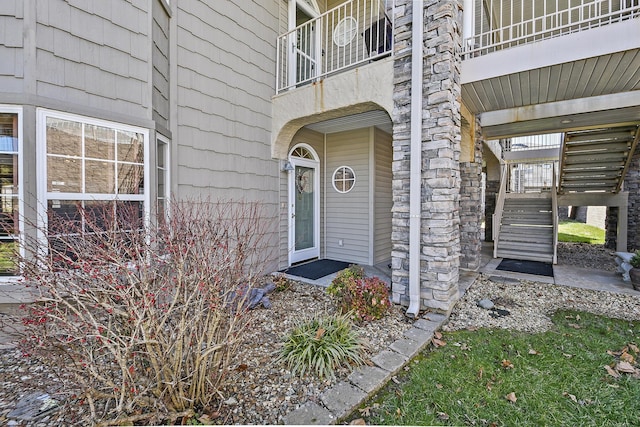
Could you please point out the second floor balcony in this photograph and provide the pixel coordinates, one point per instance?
(528, 66)
(343, 37)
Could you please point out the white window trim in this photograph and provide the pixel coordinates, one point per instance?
(41, 168)
(167, 168)
(333, 178)
(312, 163)
(13, 109)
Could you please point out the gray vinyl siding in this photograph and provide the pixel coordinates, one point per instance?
(160, 61)
(383, 199)
(348, 213)
(225, 81)
(11, 47)
(94, 54)
(316, 141)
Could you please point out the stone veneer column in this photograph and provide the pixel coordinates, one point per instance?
(440, 231)
(471, 213)
(632, 186)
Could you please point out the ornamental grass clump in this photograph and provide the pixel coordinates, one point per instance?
(363, 298)
(320, 345)
(145, 319)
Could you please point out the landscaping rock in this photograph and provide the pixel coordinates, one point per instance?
(33, 407)
(487, 304)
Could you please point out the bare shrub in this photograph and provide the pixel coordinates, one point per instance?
(145, 320)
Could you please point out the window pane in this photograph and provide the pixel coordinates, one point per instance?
(161, 154)
(8, 132)
(8, 254)
(8, 216)
(130, 179)
(130, 147)
(99, 177)
(161, 183)
(64, 216)
(64, 137)
(64, 175)
(99, 142)
(9, 173)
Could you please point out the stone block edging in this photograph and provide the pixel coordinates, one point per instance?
(344, 397)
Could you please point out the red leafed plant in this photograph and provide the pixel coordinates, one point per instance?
(366, 298)
(145, 317)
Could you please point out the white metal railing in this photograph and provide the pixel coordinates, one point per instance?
(350, 34)
(532, 142)
(531, 177)
(497, 215)
(554, 213)
(501, 24)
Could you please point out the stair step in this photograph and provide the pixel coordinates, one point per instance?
(526, 239)
(535, 247)
(516, 230)
(524, 256)
(523, 222)
(601, 135)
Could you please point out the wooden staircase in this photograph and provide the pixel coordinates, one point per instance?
(596, 159)
(527, 228)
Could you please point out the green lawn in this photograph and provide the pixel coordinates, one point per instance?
(578, 232)
(557, 378)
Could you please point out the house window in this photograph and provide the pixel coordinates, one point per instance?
(162, 176)
(344, 178)
(10, 186)
(90, 165)
(345, 31)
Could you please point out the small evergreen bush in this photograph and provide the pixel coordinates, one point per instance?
(320, 345)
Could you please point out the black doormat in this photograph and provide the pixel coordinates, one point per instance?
(316, 269)
(528, 267)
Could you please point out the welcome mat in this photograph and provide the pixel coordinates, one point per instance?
(529, 267)
(316, 269)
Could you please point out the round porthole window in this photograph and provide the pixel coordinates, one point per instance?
(345, 31)
(344, 178)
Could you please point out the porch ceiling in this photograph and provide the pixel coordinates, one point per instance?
(601, 75)
(581, 80)
(376, 118)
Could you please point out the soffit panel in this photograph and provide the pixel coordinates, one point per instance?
(602, 75)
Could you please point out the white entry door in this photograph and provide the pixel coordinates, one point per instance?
(304, 206)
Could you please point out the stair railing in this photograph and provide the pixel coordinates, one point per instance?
(554, 210)
(497, 214)
(563, 155)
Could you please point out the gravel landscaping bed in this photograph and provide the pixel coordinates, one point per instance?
(530, 304)
(263, 391)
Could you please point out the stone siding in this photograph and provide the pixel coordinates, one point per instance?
(440, 177)
(632, 186)
(471, 206)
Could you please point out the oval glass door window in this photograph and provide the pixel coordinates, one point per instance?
(344, 178)
(345, 31)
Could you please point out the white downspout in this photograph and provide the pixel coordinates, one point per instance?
(415, 187)
(467, 25)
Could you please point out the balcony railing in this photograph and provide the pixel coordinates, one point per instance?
(501, 24)
(531, 177)
(532, 142)
(353, 33)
